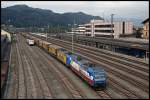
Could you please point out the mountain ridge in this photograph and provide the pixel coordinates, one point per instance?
(25, 16)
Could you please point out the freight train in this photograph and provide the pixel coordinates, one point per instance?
(94, 75)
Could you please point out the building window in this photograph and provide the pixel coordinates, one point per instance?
(102, 26)
(146, 34)
(88, 26)
(105, 31)
(146, 27)
(123, 26)
(88, 30)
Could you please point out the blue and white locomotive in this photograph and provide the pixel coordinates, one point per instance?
(93, 75)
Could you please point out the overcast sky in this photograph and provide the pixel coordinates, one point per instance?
(122, 9)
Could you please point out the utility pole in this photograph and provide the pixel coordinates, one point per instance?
(73, 34)
(92, 28)
(47, 32)
(112, 23)
(103, 17)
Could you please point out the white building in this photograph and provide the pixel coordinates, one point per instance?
(79, 30)
(99, 27)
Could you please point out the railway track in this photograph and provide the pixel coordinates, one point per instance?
(107, 94)
(12, 81)
(105, 38)
(132, 83)
(44, 90)
(49, 87)
(137, 71)
(122, 59)
(122, 79)
(22, 83)
(23, 87)
(118, 61)
(93, 58)
(37, 75)
(111, 67)
(127, 58)
(120, 73)
(136, 93)
(118, 69)
(63, 79)
(116, 95)
(66, 86)
(76, 88)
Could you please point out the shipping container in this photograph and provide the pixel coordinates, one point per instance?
(36, 41)
(40, 43)
(53, 49)
(46, 45)
(62, 55)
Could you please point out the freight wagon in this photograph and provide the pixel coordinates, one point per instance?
(62, 55)
(46, 45)
(40, 43)
(36, 41)
(53, 49)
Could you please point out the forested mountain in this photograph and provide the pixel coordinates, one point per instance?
(25, 16)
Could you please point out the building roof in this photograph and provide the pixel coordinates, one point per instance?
(145, 20)
(6, 33)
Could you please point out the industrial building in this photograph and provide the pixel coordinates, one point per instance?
(100, 27)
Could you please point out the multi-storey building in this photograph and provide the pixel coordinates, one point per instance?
(79, 30)
(99, 27)
(146, 29)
